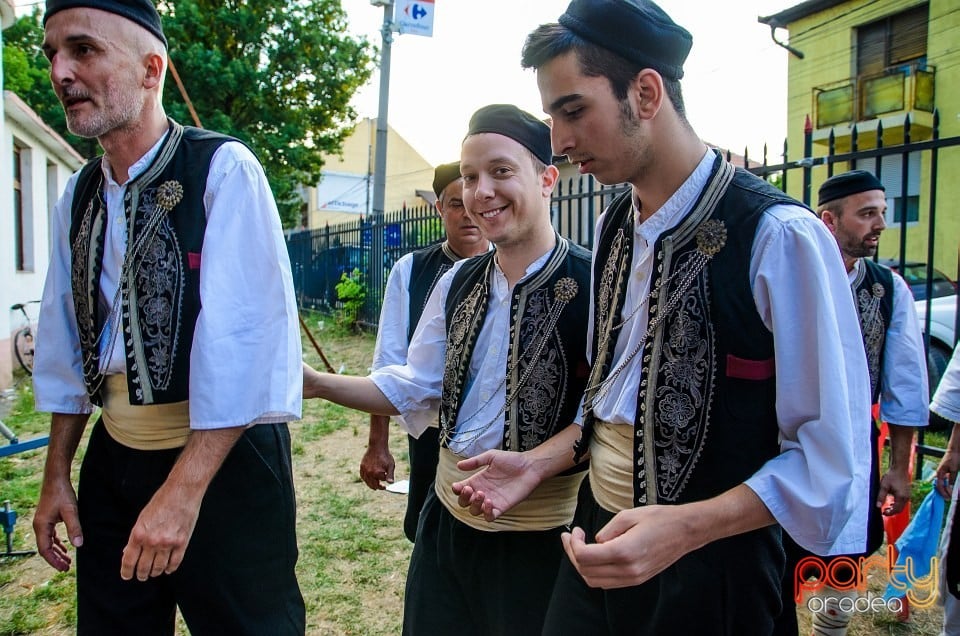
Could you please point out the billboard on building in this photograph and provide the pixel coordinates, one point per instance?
(344, 192)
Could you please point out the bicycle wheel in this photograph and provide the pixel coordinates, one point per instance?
(23, 348)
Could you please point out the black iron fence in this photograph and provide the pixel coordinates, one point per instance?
(910, 169)
(911, 160)
(319, 258)
(906, 157)
(901, 158)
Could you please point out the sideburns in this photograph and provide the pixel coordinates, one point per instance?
(628, 121)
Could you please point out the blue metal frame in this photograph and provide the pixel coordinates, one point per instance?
(19, 447)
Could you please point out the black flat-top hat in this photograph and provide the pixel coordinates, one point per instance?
(444, 175)
(637, 30)
(143, 12)
(843, 185)
(519, 125)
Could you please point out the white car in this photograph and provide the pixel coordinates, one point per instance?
(943, 323)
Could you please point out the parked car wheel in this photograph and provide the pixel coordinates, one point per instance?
(937, 361)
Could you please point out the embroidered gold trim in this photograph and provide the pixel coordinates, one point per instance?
(536, 374)
(676, 291)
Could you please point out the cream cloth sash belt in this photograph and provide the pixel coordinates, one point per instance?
(549, 506)
(611, 466)
(143, 427)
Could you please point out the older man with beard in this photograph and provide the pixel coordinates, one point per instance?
(169, 303)
(853, 205)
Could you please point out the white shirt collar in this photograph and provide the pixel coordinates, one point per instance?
(680, 204)
(854, 273)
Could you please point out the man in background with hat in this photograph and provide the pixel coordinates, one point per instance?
(501, 347)
(852, 205)
(169, 303)
(722, 337)
(411, 280)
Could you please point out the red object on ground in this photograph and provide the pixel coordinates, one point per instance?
(894, 526)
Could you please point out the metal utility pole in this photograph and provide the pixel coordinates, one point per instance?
(376, 283)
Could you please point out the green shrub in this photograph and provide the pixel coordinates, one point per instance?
(351, 292)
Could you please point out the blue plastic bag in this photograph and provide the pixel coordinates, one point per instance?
(918, 543)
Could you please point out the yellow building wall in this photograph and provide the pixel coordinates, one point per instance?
(828, 41)
(407, 172)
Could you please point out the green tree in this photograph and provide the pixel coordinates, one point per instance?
(277, 74)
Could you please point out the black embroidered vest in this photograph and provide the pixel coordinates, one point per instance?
(873, 297)
(547, 366)
(160, 283)
(428, 265)
(706, 417)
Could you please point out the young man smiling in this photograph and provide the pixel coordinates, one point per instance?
(501, 348)
(411, 280)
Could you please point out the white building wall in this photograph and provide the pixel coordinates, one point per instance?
(47, 161)
(6, 203)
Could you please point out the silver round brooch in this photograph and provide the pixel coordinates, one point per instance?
(711, 237)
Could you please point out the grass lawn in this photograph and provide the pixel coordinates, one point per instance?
(353, 554)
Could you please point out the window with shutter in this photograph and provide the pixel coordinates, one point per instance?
(900, 196)
(23, 218)
(18, 220)
(871, 48)
(908, 36)
(892, 41)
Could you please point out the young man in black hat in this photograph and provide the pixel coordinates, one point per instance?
(411, 280)
(852, 205)
(169, 303)
(501, 348)
(727, 390)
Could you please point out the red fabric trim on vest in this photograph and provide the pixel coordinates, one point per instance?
(193, 260)
(744, 369)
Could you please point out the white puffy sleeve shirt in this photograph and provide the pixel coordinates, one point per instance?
(946, 401)
(816, 488)
(903, 381)
(414, 388)
(391, 347)
(245, 360)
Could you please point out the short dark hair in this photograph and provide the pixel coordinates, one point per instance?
(553, 40)
(834, 207)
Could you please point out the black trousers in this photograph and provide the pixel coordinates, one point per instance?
(473, 583)
(729, 587)
(237, 576)
(424, 455)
